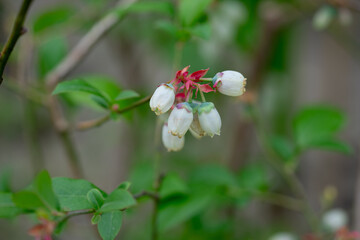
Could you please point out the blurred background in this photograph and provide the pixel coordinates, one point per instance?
(300, 58)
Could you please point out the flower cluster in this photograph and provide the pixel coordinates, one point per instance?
(200, 118)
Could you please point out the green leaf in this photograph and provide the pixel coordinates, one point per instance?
(51, 52)
(96, 198)
(72, 193)
(27, 200)
(96, 219)
(283, 148)
(152, 7)
(316, 124)
(51, 18)
(142, 176)
(124, 185)
(168, 27)
(43, 187)
(60, 226)
(106, 85)
(119, 199)
(215, 175)
(127, 94)
(39, 195)
(334, 145)
(190, 11)
(100, 101)
(7, 206)
(110, 224)
(172, 185)
(77, 85)
(253, 177)
(201, 30)
(5, 176)
(179, 211)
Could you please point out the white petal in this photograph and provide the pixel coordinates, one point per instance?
(162, 99)
(231, 83)
(179, 121)
(172, 143)
(210, 122)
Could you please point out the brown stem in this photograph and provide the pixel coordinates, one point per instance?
(152, 195)
(71, 154)
(80, 51)
(16, 32)
(85, 125)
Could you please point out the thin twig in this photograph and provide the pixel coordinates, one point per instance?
(70, 62)
(152, 195)
(71, 154)
(281, 200)
(80, 51)
(16, 32)
(85, 125)
(73, 214)
(288, 176)
(28, 92)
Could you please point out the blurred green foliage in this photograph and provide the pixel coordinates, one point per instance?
(197, 198)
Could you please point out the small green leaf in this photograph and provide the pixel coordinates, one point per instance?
(283, 148)
(7, 206)
(43, 187)
(215, 175)
(253, 177)
(60, 226)
(142, 176)
(179, 211)
(127, 94)
(5, 176)
(190, 11)
(334, 145)
(110, 224)
(72, 193)
(106, 85)
(172, 185)
(96, 198)
(51, 18)
(27, 200)
(152, 7)
(168, 27)
(201, 30)
(119, 199)
(124, 185)
(96, 219)
(51, 52)
(100, 101)
(77, 85)
(316, 124)
(39, 195)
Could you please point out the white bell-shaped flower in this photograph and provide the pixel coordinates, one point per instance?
(196, 129)
(180, 119)
(335, 219)
(162, 99)
(209, 119)
(172, 143)
(283, 236)
(230, 83)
